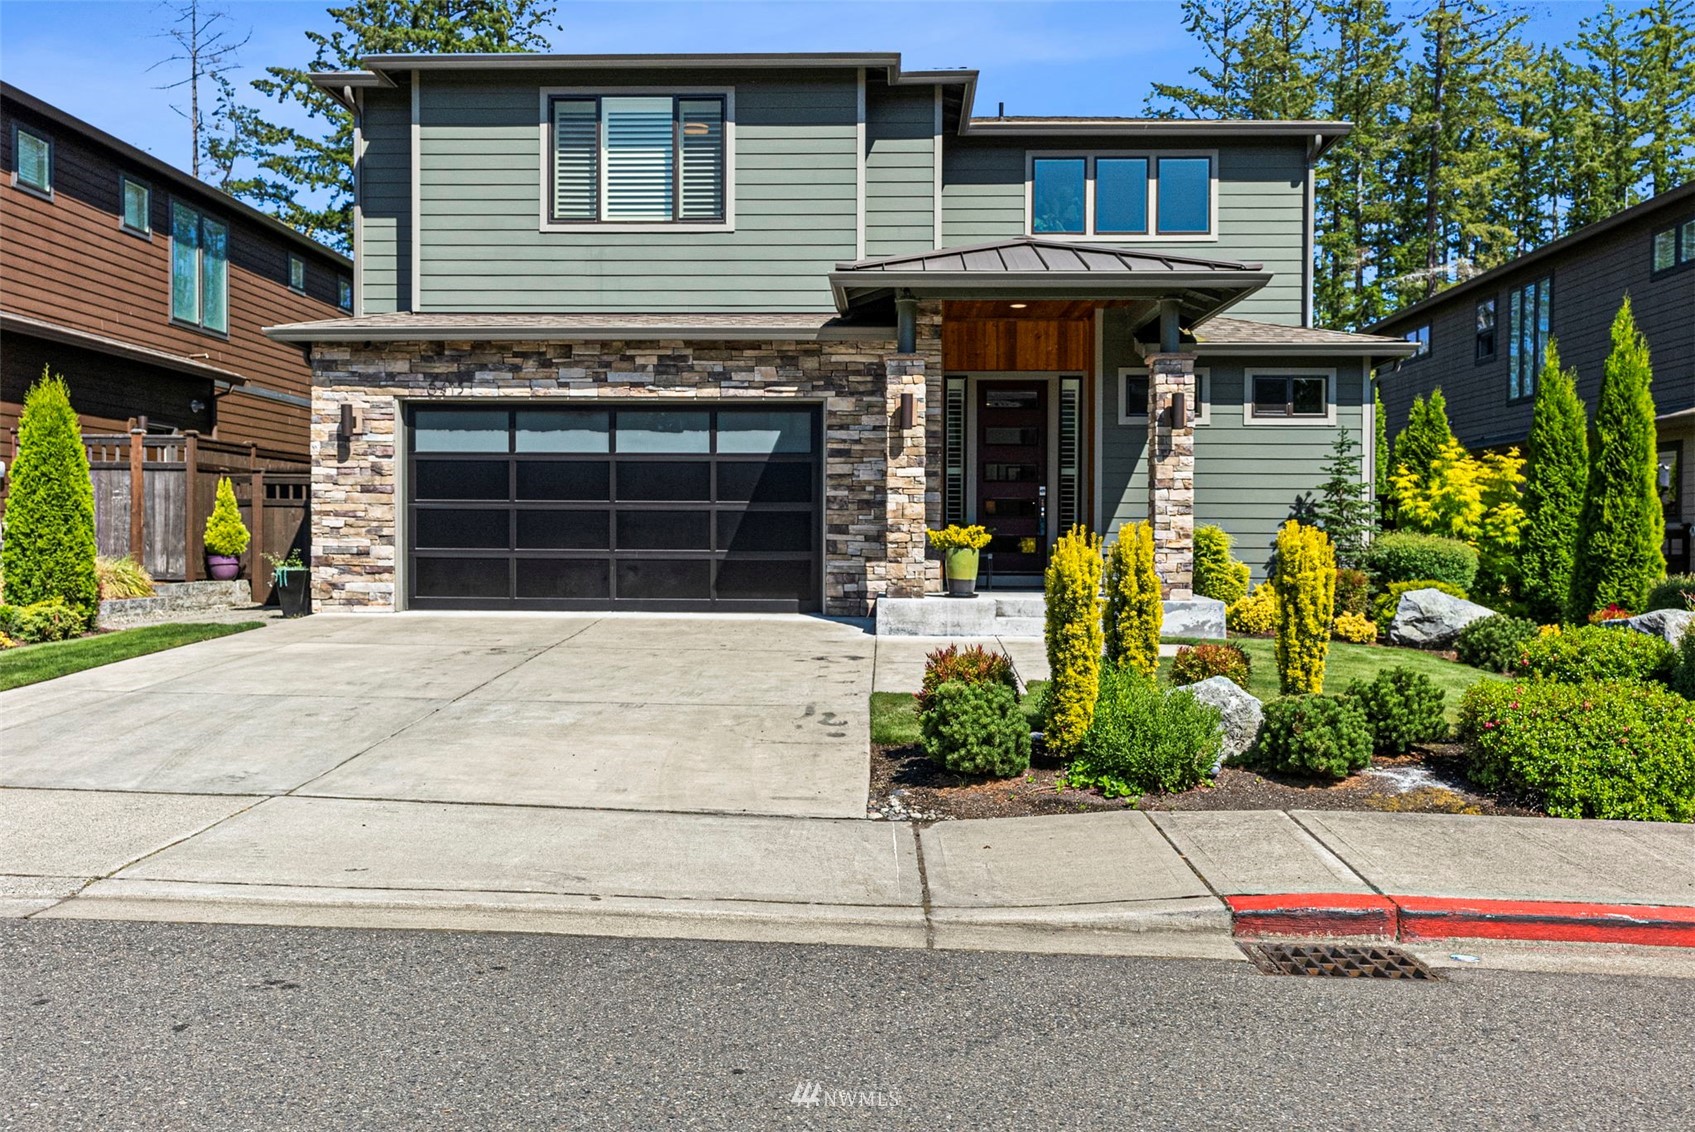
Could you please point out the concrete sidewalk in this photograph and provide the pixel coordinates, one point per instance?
(1110, 883)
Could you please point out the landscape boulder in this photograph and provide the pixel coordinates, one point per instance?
(1431, 619)
(1668, 623)
(1240, 715)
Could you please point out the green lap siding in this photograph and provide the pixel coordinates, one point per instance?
(900, 169)
(384, 257)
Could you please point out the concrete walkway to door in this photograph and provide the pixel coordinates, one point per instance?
(760, 715)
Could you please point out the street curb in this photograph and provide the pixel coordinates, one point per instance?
(1440, 917)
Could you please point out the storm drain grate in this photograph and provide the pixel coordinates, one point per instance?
(1336, 960)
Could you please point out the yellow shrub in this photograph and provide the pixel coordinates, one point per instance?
(1073, 637)
(1356, 627)
(1134, 609)
(1256, 613)
(1306, 606)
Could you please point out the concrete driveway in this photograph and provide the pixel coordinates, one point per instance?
(729, 715)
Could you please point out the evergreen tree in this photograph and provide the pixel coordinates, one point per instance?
(49, 548)
(1558, 453)
(1342, 509)
(1279, 64)
(1219, 28)
(305, 175)
(1622, 529)
(1382, 464)
(1418, 445)
(1610, 101)
(1663, 61)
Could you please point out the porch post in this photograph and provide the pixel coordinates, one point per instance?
(904, 479)
(1171, 472)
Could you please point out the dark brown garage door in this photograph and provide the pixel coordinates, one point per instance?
(657, 508)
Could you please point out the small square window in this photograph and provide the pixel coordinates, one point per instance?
(32, 153)
(137, 205)
(1665, 249)
(1290, 396)
(1308, 396)
(1485, 330)
(344, 293)
(1133, 397)
(1419, 336)
(296, 273)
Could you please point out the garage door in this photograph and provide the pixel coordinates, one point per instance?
(596, 508)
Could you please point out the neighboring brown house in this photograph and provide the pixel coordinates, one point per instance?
(147, 288)
(1481, 341)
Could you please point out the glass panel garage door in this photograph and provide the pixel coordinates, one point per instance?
(614, 508)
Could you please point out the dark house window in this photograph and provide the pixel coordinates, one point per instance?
(344, 293)
(1291, 395)
(1118, 195)
(1529, 317)
(1058, 197)
(32, 155)
(296, 273)
(1486, 330)
(1674, 246)
(137, 206)
(200, 249)
(637, 159)
(1420, 336)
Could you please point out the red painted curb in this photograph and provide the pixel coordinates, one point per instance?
(1322, 914)
(1658, 925)
(1312, 914)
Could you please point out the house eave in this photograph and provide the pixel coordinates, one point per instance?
(563, 332)
(114, 347)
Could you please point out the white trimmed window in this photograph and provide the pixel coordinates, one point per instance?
(296, 274)
(637, 159)
(1290, 396)
(1122, 195)
(1133, 397)
(32, 160)
(200, 248)
(137, 203)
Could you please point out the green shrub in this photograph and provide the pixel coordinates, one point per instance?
(1406, 556)
(1682, 677)
(1072, 633)
(1596, 652)
(122, 578)
(976, 729)
(1255, 614)
(973, 664)
(1384, 605)
(1353, 592)
(1195, 663)
(1676, 592)
(226, 534)
(1595, 750)
(1495, 643)
(41, 621)
(1306, 600)
(1142, 740)
(1402, 707)
(1134, 611)
(1217, 574)
(1316, 736)
(49, 551)
(1557, 458)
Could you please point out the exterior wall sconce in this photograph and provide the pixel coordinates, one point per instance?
(344, 432)
(1179, 418)
(908, 417)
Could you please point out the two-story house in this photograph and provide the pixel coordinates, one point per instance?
(148, 289)
(730, 331)
(1481, 342)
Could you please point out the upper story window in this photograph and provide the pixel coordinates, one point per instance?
(1419, 336)
(296, 273)
(344, 292)
(137, 204)
(637, 159)
(32, 158)
(1291, 396)
(1485, 348)
(1109, 195)
(1674, 246)
(199, 269)
(1529, 322)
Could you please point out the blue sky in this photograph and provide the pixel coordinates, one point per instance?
(90, 57)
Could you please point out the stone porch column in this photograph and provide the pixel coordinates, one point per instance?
(1171, 473)
(904, 473)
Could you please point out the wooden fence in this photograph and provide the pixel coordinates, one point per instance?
(155, 492)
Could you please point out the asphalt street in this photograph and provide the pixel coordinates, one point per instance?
(158, 1026)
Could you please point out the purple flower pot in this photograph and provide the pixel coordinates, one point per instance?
(222, 567)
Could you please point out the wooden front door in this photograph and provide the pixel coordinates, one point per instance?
(1012, 474)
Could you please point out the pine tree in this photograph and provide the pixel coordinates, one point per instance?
(1663, 64)
(1343, 510)
(1219, 28)
(49, 549)
(1382, 463)
(304, 176)
(1558, 454)
(1622, 528)
(1613, 106)
(1279, 64)
(1418, 444)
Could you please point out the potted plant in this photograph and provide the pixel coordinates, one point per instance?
(959, 547)
(226, 535)
(289, 576)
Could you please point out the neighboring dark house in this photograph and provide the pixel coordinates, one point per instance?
(147, 288)
(1482, 340)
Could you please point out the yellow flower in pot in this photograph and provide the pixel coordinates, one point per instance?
(959, 547)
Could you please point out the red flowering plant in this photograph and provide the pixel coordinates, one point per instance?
(1613, 612)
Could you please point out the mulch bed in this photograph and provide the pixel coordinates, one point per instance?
(907, 786)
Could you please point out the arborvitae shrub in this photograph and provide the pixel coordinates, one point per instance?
(1314, 735)
(226, 534)
(973, 664)
(1195, 663)
(976, 729)
(1306, 606)
(1134, 609)
(1217, 574)
(1405, 556)
(1557, 455)
(1072, 633)
(1495, 643)
(1402, 707)
(1142, 740)
(49, 550)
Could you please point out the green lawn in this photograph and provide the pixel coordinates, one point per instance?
(31, 664)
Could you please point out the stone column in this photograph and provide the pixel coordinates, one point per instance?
(904, 479)
(1171, 473)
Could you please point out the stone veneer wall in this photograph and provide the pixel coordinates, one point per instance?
(877, 491)
(1171, 473)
